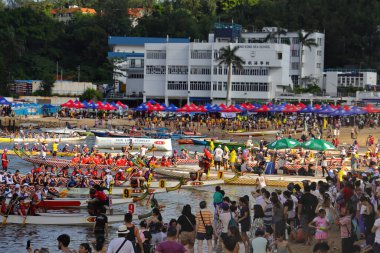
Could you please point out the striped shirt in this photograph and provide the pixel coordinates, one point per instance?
(207, 218)
(268, 214)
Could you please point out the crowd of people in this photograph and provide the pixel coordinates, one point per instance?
(263, 222)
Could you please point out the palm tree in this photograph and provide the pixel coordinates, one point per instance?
(273, 35)
(305, 41)
(228, 57)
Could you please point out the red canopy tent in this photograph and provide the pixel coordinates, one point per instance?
(201, 108)
(222, 106)
(78, 105)
(289, 108)
(68, 104)
(231, 108)
(156, 108)
(370, 109)
(186, 108)
(107, 107)
(263, 108)
(121, 104)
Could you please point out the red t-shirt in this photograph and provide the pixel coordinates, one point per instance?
(100, 195)
(4, 159)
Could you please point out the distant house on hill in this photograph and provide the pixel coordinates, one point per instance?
(66, 14)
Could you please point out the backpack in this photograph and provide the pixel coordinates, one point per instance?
(232, 222)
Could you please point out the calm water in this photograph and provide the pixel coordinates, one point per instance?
(45, 236)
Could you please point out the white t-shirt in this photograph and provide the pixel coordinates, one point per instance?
(377, 232)
(218, 153)
(225, 219)
(261, 182)
(259, 245)
(143, 151)
(116, 243)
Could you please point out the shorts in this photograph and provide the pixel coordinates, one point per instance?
(225, 160)
(157, 238)
(54, 153)
(217, 163)
(187, 238)
(305, 220)
(232, 164)
(203, 236)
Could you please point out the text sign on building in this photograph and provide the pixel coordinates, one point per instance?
(253, 46)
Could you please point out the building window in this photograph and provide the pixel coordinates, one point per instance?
(295, 65)
(295, 41)
(195, 70)
(249, 86)
(250, 71)
(177, 70)
(319, 52)
(216, 54)
(177, 85)
(319, 41)
(155, 70)
(198, 85)
(318, 65)
(155, 54)
(279, 56)
(135, 76)
(267, 63)
(201, 54)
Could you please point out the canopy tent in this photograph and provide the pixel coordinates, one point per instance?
(289, 108)
(370, 109)
(156, 108)
(263, 108)
(231, 108)
(141, 108)
(171, 108)
(78, 105)
(92, 105)
(68, 104)
(120, 104)
(107, 107)
(4, 101)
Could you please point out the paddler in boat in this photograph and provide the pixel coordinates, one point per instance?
(44, 150)
(54, 148)
(25, 147)
(36, 198)
(108, 179)
(3, 205)
(66, 149)
(94, 149)
(85, 149)
(16, 146)
(120, 176)
(36, 147)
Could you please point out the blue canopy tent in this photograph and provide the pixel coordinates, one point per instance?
(328, 110)
(92, 106)
(3, 101)
(171, 108)
(277, 108)
(308, 109)
(356, 110)
(152, 102)
(215, 108)
(141, 108)
(340, 113)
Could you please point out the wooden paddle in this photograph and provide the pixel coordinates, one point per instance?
(6, 216)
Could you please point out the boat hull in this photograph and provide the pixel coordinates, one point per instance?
(68, 139)
(159, 144)
(262, 133)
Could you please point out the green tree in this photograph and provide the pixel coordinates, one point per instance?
(91, 94)
(229, 58)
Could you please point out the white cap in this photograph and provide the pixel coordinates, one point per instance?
(376, 174)
(56, 140)
(17, 186)
(67, 145)
(364, 175)
(108, 171)
(119, 170)
(84, 145)
(25, 184)
(95, 146)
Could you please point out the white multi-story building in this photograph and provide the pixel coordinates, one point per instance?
(71, 88)
(337, 82)
(191, 72)
(311, 69)
(179, 71)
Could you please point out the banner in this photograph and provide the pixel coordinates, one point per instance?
(228, 115)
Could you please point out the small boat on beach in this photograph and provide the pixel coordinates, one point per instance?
(63, 130)
(40, 140)
(75, 202)
(253, 134)
(159, 144)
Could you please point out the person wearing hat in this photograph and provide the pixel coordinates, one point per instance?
(121, 244)
(108, 179)
(218, 156)
(4, 160)
(66, 148)
(120, 175)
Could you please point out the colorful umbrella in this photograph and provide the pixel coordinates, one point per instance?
(284, 144)
(318, 144)
(118, 103)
